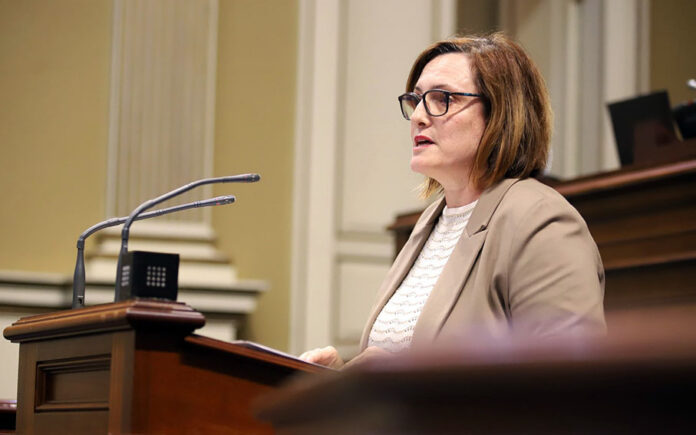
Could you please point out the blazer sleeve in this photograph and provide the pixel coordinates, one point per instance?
(555, 279)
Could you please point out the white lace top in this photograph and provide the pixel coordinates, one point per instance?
(393, 328)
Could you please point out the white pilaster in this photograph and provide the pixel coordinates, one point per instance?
(162, 101)
(161, 136)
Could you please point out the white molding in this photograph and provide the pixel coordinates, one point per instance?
(177, 230)
(447, 25)
(561, 86)
(37, 278)
(163, 71)
(211, 92)
(114, 108)
(321, 174)
(298, 263)
(35, 296)
(376, 250)
(301, 180)
(30, 290)
(643, 54)
(590, 74)
(573, 89)
(621, 63)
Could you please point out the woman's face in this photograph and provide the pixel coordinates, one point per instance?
(444, 146)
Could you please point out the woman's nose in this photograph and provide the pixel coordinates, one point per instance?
(419, 115)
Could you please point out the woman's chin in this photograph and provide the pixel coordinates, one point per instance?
(420, 166)
(415, 167)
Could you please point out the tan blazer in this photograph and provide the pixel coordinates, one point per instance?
(526, 263)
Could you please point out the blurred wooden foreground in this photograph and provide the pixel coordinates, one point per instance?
(639, 379)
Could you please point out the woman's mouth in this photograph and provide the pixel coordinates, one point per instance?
(420, 141)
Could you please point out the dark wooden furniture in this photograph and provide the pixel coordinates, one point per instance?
(643, 219)
(8, 416)
(644, 223)
(639, 380)
(135, 367)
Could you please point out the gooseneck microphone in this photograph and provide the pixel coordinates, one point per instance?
(78, 300)
(243, 178)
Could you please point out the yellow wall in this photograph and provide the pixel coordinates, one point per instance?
(254, 133)
(54, 87)
(673, 48)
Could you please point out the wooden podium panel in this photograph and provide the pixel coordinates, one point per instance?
(134, 367)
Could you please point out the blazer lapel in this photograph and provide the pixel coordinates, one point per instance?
(487, 204)
(403, 263)
(448, 287)
(451, 282)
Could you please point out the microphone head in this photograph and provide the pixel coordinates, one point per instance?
(222, 200)
(242, 178)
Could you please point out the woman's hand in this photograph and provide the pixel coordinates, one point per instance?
(327, 356)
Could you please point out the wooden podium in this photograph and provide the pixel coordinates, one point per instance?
(135, 367)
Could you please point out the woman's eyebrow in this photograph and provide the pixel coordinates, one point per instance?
(443, 86)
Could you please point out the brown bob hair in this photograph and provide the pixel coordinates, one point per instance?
(515, 142)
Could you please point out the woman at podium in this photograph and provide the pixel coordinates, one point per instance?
(498, 252)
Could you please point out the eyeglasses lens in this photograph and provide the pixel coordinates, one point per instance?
(408, 105)
(436, 102)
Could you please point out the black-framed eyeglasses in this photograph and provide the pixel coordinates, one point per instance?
(436, 101)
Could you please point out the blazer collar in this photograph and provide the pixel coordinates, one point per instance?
(483, 212)
(487, 204)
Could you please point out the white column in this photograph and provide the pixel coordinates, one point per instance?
(161, 137)
(162, 101)
(624, 67)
